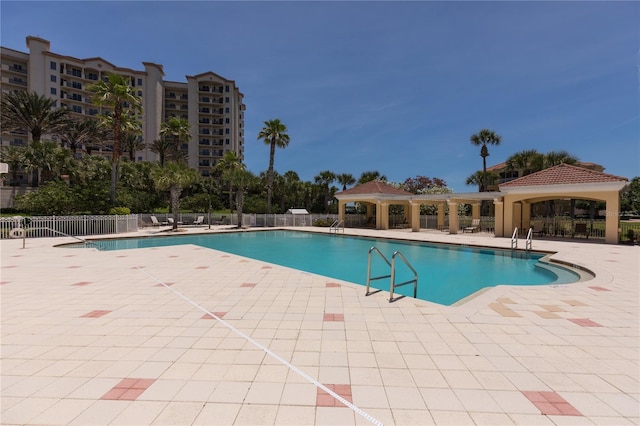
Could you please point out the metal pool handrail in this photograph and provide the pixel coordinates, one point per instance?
(393, 276)
(514, 239)
(369, 278)
(335, 226)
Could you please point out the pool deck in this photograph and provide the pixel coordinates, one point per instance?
(189, 335)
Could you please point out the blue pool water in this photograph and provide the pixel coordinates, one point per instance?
(446, 273)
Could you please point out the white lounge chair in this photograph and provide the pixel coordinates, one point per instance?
(154, 221)
(475, 226)
(199, 221)
(170, 221)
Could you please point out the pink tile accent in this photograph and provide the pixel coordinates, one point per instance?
(585, 322)
(68, 255)
(334, 317)
(10, 266)
(128, 389)
(598, 288)
(4, 282)
(217, 314)
(20, 255)
(333, 285)
(323, 399)
(74, 267)
(81, 283)
(122, 255)
(266, 267)
(551, 404)
(160, 285)
(172, 257)
(248, 285)
(95, 314)
(202, 267)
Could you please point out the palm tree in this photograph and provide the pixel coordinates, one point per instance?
(117, 93)
(553, 158)
(131, 143)
(81, 132)
(529, 161)
(324, 179)
(225, 166)
(174, 177)
(35, 113)
(482, 138)
(274, 134)
(44, 158)
(177, 129)
(241, 180)
(345, 179)
(163, 148)
(478, 178)
(370, 175)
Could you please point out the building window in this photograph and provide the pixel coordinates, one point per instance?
(226, 99)
(76, 108)
(54, 91)
(226, 110)
(139, 92)
(226, 131)
(139, 82)
(226, 120)
(54, 78)
(52, 65)
(226, 88)
(226, 141)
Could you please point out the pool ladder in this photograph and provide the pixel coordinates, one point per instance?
(392, 275)
(527, 243)
(336, 226)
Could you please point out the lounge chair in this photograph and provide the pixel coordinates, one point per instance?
(538, 228)
(154, 222)
(170, 221)
(221, 221)
(475, 226)
(198, 221)
(580, 229)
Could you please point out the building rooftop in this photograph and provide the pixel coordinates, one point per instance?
(563, 174)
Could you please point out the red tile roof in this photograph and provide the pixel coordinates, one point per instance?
(374, 187)
(563, 174)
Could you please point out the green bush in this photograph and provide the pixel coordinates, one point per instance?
(325, 223)
(631, 235)
(120, 210)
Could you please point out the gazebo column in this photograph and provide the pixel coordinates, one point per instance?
(526, 215)
(441, 216)
(369, 210)
(341, 210)
(382, 215)
(499, 218)
(414, 210)
(453, 217)
(612, 220)
(475, 211)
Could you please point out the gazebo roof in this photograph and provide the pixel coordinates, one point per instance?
(563, 174)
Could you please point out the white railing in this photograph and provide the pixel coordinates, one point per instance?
(514, 239)
(53, 226)
(528, 242)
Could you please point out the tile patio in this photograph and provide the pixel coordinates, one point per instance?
(186, 335)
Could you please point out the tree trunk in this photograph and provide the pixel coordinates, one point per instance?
(239, 205)
(174, 195)
(272, 154)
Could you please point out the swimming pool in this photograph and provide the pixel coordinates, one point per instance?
(446, 273)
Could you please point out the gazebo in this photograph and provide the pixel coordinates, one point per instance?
(512, 203)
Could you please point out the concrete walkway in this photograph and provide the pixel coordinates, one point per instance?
(188, 335)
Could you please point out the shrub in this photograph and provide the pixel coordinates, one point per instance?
(631, 235)
(120, 210)
(323, 222)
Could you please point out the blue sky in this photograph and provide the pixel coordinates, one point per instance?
(397, 87)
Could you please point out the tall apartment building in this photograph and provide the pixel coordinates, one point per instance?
(212, 104)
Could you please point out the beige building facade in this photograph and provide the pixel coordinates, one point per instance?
(212, 104)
